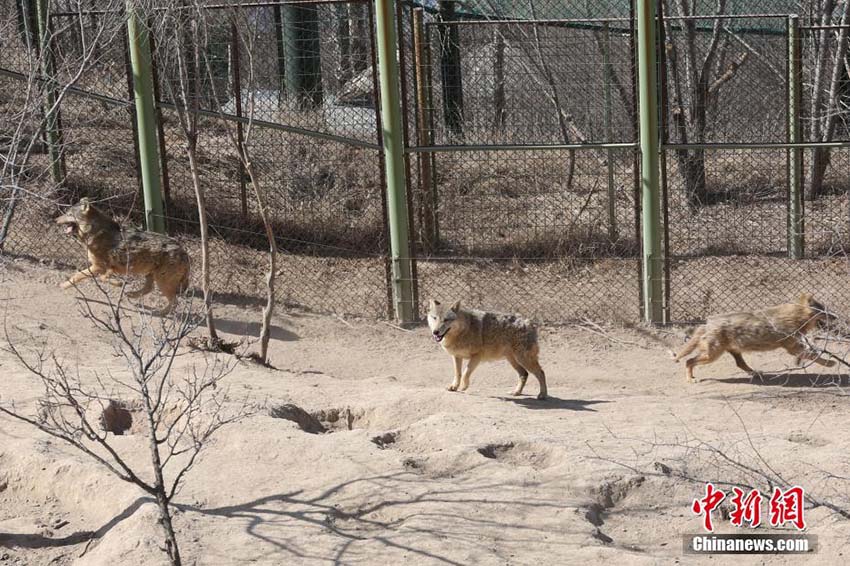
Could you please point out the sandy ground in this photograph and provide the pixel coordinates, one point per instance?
(413, 473)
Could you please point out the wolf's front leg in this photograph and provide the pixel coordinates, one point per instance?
(92, 271)
(470, 367)
(802, 352)
(458, 368)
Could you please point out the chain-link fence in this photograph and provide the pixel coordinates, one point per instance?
(521, 139)
(523, 165)
(748, 222)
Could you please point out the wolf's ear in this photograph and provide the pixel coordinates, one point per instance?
(432, 304)
(456, 306)
(85, 204)
(805, 298)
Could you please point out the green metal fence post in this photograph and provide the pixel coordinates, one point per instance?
(795, 155)
(52, 121)
(140, 58)
(649, 147)
(397, 211)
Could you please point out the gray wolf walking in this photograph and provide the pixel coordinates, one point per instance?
(782, 326)
(123, 250)
(474, 335)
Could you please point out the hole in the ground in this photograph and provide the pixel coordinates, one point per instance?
(344, 418)
(530, 454)
(304, 420)
(594, 515)
(599, 535)
(383, 441)
(414, 465)
(116, 418)
(496, 451)
(612, 491)
(321, 421)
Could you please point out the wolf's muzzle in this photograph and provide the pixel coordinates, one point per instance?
(439, 337)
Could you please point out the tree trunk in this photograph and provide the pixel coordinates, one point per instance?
(692, 168)
(165, 520)
(825, 109)
(359, 43)
(268, 310)
(343, 34)
(205, 248)
(159, 481)
(820, 162)
(555, 99)
(692, 103)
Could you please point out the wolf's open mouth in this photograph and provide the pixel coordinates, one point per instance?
(439, 337)
(70, 228)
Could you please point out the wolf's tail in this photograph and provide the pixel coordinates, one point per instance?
(690, 345)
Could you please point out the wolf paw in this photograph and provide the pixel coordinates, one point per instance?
(452, 387)
(541, 396)
(66, 285)
(757, 375)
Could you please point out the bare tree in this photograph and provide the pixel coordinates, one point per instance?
(537, 67)
(695, 83)
(179, 414)
(829, 51)
(185, 30)
(181, 41)
(244, 40)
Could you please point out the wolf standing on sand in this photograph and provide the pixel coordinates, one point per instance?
(479, 336)
(122, 250)
(782, 326)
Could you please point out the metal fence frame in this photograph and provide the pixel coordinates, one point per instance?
(409, 155)
(793, 147)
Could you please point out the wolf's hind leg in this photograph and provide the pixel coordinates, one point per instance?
(169, 287)
(531, 364)
(739, 361)
(523, 374)
(145, 289)
(705, 357)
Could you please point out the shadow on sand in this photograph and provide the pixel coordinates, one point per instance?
(787, 379)
(554, 403)
(242, 328)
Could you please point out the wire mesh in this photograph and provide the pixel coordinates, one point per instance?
(520, 129)
(546, 231)
(731, 236)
